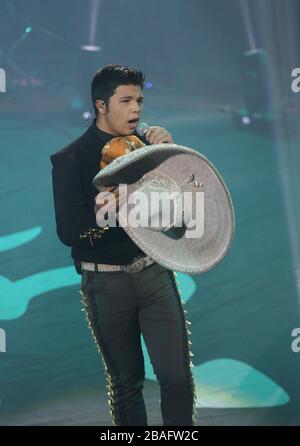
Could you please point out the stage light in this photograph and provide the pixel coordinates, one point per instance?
(257, 113)
(89, 61)
(87, 115)
(28, 29)
(246, 120)
(90, 48)
(255, 80)
(148, 85)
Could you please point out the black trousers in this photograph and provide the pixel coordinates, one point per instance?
(119, 307)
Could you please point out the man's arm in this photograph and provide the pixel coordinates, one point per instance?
(75, 220)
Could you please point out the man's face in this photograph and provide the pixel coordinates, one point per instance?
(126, 104)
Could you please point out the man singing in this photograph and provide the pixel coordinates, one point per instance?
(122, 304)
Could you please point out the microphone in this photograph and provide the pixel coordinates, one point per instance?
(142, 128)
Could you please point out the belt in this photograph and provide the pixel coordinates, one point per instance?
(138, 264)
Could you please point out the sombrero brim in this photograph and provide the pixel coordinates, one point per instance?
(191, 255)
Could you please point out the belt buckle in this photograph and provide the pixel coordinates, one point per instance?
(136, 266)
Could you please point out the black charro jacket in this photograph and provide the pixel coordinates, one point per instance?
(74, 168)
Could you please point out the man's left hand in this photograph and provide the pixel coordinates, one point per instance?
(158, 135)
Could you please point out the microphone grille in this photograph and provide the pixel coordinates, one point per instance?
(142, 128)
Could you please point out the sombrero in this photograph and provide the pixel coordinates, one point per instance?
(178, 208)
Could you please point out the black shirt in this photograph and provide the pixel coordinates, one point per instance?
(74, 168)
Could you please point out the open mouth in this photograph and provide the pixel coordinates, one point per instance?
(133, 121)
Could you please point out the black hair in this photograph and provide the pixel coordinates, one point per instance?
(108, 78)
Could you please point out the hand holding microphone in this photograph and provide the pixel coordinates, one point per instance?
(154, 134)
